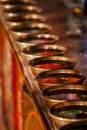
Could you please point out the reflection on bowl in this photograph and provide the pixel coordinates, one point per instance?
(30, 29)
(68, 112)
(61, 93)
(59, 77)
(18, 19)
(17, 3)
(39, 65)
(22, 10)
(42, 50)
(36, 39)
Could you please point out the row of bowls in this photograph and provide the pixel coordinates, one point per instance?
(60, 84)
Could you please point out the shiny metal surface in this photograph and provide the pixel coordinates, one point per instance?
(19, 2)
(62, 74)
(51, 62)
(13, 20)
(22, 9)
(28, 41)
(76, 46)
(61, 93)
(42, 50)
(68, 105)
(24, 30)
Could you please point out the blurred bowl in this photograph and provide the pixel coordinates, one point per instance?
(59, 77)
(14, 20)
(22, 10)
(29, 29)
(68, 112)
(28, 41)
(46, 63)
(17, 3)
(61, 93)
(42, 50)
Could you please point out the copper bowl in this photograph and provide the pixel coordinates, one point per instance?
(42, 50)
(25, 19)
(28, 41)
(17, 2)
(22, 30)
(22, 10)
(68, 112)
(62, 93)
(46, 63)
(80, 125)
(59, 77)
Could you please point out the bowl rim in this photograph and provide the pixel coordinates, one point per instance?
(62, 88)
(25, 17)
(45, 74)
(65, 104)
(33, 47)
(54, 58)
(38, 36)
(10, 9)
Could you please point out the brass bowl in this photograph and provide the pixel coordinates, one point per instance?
(25, 19)
(22, 10)
(62, 93)
(28, 41)
(80, 125)
(46, 63)
(59, 77)
(68, 112)
(42, 50)
(29, 29)
(18, 2)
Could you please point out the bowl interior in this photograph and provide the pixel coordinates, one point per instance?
(70, 111)
(29, 18)
(22, 9)
(34, 28)
(39, 39)
(65, 93)
(54, 78)
(51, 62)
